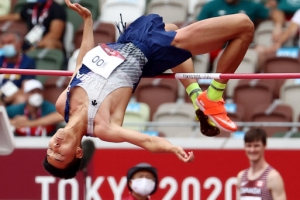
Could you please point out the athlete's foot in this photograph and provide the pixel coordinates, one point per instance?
(207, 128)
(216, 112)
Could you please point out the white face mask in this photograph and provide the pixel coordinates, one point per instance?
(35, 99)
(9, 50)
(142, 186)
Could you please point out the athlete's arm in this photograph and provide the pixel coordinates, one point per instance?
(115, 133)
(276, 185)
(239, 179)
(87, 42)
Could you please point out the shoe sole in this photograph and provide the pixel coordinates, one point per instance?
(206, 128)
(211, 118)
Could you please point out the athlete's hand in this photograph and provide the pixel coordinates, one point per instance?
(182, 155)
(82, 11)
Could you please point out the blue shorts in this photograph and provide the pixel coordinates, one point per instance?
(149, 35)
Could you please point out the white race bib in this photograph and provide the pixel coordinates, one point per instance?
(35, 34)
(9, 89)
(103, 60)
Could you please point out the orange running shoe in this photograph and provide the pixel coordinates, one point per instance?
(216, 112)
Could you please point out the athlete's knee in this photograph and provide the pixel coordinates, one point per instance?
(171, 27)
(245, 25)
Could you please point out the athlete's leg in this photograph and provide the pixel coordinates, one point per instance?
(193, 90)
(208, 35)
(211, 34)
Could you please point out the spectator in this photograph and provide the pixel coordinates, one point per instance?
(260, 180)
(255, 11)
(45, 20)
(288, 7)
(289, 33)
(142, 181)
(10, 44)
(35, 117)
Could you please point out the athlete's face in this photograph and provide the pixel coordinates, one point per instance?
(61, 150)
(254, 150)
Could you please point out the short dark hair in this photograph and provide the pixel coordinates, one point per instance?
(256, 134)
(67, 173)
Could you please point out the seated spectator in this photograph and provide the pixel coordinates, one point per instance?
(46, 23)
(35, 117)
(290, 32)
(10, 44)
(255, 11)
(288, 7)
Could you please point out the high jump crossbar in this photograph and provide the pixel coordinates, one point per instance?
(165, 75)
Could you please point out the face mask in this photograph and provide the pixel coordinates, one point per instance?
(142, 186)
(35, 100)
(9, 50)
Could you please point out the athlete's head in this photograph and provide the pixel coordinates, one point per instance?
(255, 143)
(64, 155)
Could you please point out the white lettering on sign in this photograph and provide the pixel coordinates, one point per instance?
(213, 181)
(62, 189)
(228, 187)
(118, 187)
(117, 190)
(187, 182)
(92, 188)
(45, 181)
(173, 187)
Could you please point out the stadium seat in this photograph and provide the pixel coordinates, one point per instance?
(73, 17)
(54, 86)
(12, 5)
(248, 65)
(263, 33)
(68, 39)
(103, 33)
(175, 113)
(251, 93)
(155, 91)
(136, 112)
(92, 6)
(130, 10)
(201, 63)
(273, 112)
(281, 65)
(19, 27)
(286, 135)
(194, 8)
(17, 6)
(49, 59)
(172, 11)
(290, 94)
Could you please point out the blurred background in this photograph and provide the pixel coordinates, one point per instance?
(158, 107)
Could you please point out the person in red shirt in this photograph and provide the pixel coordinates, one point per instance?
(142, 181)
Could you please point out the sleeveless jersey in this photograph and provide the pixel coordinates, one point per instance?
(97, 87)
(255, 189)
